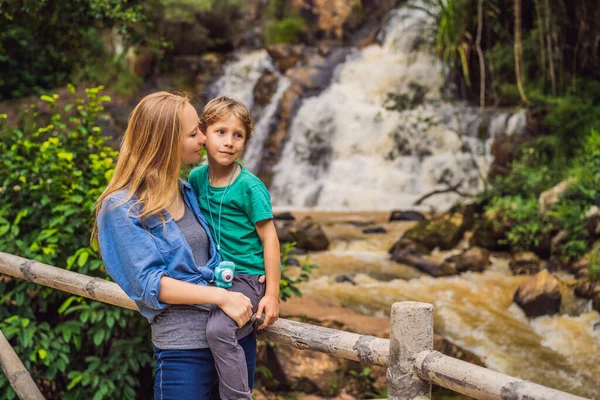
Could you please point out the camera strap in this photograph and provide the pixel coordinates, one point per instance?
(218, 233)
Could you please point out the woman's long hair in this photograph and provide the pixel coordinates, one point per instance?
(149, 160)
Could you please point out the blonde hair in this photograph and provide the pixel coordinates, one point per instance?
(219, 108)
(149, 160)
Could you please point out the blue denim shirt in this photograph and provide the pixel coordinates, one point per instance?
(136, 257)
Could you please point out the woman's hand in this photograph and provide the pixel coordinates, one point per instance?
(237, 306)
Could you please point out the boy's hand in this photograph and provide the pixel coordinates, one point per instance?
(270, 305)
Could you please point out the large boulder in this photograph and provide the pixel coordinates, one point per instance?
(593, 222)
(265, 88)
(551, 196)
(286, 55)
(443, 234)
(310, 235)
(504, 150)
(405, 251)
(398, 215)
(539, 295)
(524, 263)
(303, 370)
(490, 233)
(286, 230)
(474, 259)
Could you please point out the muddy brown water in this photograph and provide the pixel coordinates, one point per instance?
(473, 310)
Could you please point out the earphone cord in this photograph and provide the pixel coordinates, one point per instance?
(220, 208)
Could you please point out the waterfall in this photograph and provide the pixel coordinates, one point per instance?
(381, 135)
(252, 154)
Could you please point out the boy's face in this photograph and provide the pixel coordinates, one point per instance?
(225, 140)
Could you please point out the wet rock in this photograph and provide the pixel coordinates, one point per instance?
(344, 279)
(524, 263)
(580, 267)
(310, 236)
(286, 55)
(557, 241)
(292, 262)
(551, 196)
(405, 251)
(298, 252)
(286, 230)
(265, 88)
(375, 229)
(489, 233)
(397, 215)
(304, 370)
(308, 79)
(539, 295)
(504, 150)
(474, 259)
(596, 326)
(593, 222)
(284, 216)
(435, 233)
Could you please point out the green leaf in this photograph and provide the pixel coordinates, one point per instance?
(74, 381)
(66, 304)
(83, 257)
(48, 99)
(98, 337)
(42, 353)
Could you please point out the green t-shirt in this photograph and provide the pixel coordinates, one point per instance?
(246, 202)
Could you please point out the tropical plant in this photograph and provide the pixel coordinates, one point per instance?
(53, 168)
(448, 32)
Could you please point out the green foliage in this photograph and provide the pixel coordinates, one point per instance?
(288, 284)
(43, 42)
(527, 225)
(513, 199)
(51, 171)
(448, 33)
(286, 30)
(594, 267)
(532, 172)
(362, 384)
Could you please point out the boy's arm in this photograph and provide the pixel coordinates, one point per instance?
(270, 303)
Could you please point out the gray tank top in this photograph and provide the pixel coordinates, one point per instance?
(182, 327)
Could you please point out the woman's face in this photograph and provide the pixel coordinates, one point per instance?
(191, 140)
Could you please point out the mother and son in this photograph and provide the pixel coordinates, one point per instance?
(161, 239)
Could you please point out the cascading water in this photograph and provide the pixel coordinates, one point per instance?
(240, 76)
(356, 147)
(239, 80)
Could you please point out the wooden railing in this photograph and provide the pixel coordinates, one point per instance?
(412, 365)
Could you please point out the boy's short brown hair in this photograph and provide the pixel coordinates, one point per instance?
(219, 108)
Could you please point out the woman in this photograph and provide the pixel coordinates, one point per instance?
(156, 245)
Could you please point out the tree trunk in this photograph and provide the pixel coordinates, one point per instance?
(549, 43)
(480, 54)
(518, 49)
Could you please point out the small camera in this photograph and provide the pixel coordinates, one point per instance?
(224, 274)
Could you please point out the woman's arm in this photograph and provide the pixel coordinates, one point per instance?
(235, 305)
(270, 303)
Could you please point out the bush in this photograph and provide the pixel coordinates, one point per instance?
(43, 42)
(514, 199)
(51, 172)
(286, 30)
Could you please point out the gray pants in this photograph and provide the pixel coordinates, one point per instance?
(222, 336)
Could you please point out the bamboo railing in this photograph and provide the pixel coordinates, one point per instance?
(412, 365)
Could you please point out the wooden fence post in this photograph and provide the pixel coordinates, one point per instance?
(411, 332)
(17, 375)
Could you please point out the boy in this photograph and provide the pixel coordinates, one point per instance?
(238, 209)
